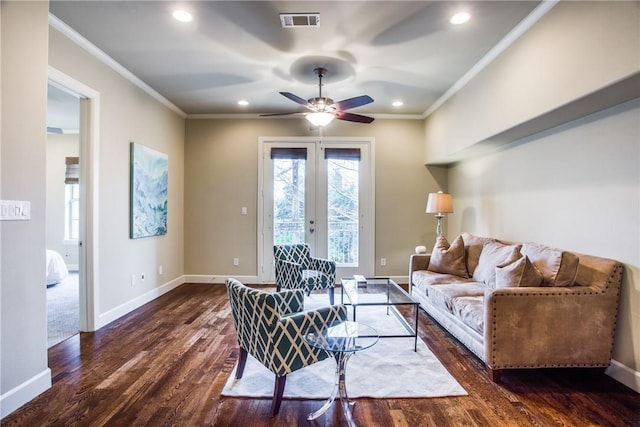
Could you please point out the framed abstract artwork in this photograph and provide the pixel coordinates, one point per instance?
(149, 179)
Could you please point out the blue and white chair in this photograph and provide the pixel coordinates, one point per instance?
(271, 328)
(297, 269)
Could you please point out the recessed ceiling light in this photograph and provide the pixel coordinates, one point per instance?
(460, 18)
(182, 16)
(397, 103)
(243, 102)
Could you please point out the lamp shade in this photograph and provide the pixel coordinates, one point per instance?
(439, 203)
(320, 118)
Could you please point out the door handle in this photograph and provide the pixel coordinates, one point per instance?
(311, 230)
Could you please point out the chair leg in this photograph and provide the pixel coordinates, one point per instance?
(278, 391)
(242, 360)
(331, 295)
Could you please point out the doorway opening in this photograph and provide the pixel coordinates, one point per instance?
(63, 214)
(71, 206)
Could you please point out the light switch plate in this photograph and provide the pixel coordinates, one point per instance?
(15, 210)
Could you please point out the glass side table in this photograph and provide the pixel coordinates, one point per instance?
(341, 340)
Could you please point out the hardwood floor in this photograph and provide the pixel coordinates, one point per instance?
(166, 364)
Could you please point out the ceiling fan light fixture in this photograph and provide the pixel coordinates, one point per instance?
(320, 118)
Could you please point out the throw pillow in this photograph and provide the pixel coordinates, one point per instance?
(518, 274)
(558, 267)
(473, 247)
(494, 254)
(448, 259)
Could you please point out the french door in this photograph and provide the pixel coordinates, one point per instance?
(318, 192)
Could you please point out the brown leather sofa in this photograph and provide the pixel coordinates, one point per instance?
(566, 319)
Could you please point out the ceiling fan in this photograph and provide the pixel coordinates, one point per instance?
(323, 110)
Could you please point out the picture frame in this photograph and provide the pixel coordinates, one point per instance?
(149, 182)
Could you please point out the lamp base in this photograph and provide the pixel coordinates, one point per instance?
(439, 226)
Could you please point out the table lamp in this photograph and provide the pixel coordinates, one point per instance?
(439, 203)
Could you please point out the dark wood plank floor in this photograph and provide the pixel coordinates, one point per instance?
(166, 364)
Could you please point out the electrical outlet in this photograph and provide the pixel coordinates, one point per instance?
(160, 271)
(142, 277)
(236, 262)
(383, 262)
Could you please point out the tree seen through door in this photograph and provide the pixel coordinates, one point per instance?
(342, 206)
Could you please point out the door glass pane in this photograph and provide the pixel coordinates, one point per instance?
(342, 211)
(288, 200)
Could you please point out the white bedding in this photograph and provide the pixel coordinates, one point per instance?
(56, 268)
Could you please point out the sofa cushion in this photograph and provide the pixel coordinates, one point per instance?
(448, 259)
(422, 279)
(473, 247)
(470, 310)
(558, 267)
(494, 254)
(518, 274)
(442, 296)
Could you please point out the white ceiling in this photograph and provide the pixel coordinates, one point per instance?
(232, 50)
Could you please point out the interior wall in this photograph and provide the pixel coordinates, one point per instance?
(59, 147)
(576, 49)
(575, 187)
(128, 114)
(221, 176)
(23, 337)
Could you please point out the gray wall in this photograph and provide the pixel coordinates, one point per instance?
(576, 185)
(221, 175)
(127, 114)
(23, 340)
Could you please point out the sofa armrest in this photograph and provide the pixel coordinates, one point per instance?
(418, 262)
(551, 326)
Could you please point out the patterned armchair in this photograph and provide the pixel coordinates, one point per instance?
(271, 328)
(297, 269)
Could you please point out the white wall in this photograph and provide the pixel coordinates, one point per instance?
(59, 147)
(23, 338)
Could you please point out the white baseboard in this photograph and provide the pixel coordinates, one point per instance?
(23, 393)
(214, 279)
(126, 308)
(624, 374)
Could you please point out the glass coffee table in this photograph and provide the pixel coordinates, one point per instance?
(341, 340)
(381, 292)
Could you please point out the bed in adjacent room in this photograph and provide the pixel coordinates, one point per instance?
(56, 268)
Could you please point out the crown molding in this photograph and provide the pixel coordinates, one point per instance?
(77, 38)
(513, 35)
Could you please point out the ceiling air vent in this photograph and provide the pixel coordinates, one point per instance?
(295, 20)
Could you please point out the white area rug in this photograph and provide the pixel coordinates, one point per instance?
(389, 369)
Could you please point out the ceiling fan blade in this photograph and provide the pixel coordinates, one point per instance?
(346, 104)
(350, 117)
(296, 113)
(297, 99)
